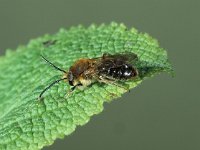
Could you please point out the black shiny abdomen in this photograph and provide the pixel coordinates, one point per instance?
(117, 70)
(122, 72)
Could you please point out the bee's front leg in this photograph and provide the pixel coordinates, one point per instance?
(72, 89)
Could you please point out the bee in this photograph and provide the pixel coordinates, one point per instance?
(108, 69)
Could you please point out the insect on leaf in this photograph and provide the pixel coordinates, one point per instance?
(25, 122)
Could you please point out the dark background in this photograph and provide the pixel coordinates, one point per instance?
(163, 113)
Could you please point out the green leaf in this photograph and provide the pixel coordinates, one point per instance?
(25, 122)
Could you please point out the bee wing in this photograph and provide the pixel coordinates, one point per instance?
(126, 56)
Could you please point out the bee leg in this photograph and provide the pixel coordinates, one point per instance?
(72, 89)
(120, 86)
(114, 82)
(68, 94)
(114, 95)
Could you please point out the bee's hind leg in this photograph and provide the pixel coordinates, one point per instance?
(114, 82)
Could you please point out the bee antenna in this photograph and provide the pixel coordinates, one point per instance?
(57, 68)
(48, 87)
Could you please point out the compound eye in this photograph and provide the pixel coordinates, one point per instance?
(70, 78)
